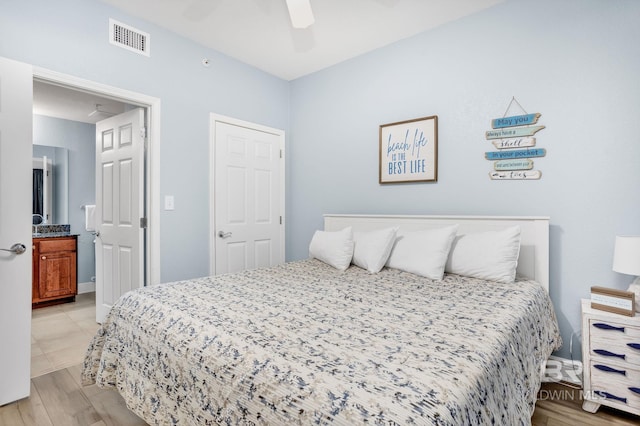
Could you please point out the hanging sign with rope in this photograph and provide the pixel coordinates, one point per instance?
(509, 133)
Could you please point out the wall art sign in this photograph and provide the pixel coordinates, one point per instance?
(409, 151)
(524, 153)
(524, 164)
(514, 143)
(518, 120)
(509, 135)
(513, 133)
(516, 175)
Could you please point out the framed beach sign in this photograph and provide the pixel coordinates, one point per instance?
(409, 151)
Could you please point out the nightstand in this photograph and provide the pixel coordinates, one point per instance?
(611, 360)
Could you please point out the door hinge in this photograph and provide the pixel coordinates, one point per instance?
(280, 153)
(143, 222)
(280, 220)
(143, 132)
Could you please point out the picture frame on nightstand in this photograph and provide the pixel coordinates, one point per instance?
(613, 300)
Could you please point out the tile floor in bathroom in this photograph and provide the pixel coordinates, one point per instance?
(60, 334)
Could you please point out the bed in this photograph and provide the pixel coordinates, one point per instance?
(306, 343)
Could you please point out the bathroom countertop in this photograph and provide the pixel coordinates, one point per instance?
(51, 231)
(52, 235)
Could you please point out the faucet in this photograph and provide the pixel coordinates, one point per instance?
(43, 221)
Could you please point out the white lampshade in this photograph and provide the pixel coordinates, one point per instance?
(626, 255)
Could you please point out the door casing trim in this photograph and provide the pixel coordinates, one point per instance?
(152, 153)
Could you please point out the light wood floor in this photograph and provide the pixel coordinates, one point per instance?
(60, 334)
(58, 399)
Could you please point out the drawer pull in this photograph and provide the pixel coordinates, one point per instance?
(609, 369)
(634, 345)
(610, 396)
(605, 326)
(635, 390)
(607, 353)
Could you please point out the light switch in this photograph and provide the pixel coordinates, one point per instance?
(168, 202)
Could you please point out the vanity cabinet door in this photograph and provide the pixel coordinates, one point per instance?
(57, 274)
(55, 268)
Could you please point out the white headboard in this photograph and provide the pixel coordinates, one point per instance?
(533, 262)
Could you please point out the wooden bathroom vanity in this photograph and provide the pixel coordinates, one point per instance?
(54, 270)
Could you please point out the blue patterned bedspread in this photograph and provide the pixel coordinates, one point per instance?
(303, 343)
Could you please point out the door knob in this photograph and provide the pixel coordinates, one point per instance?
(223, 234)
(17, 248)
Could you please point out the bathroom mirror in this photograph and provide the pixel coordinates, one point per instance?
(51, 190)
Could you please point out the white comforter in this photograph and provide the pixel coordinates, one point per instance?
(303, 343)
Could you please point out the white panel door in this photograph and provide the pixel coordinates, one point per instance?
(16, 115)
(119, 207)
(248, 199)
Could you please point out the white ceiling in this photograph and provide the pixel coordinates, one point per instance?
(55, 101)
(259, 32)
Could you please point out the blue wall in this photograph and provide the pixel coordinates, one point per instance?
(71, 36)
(574, 61)
(79, 139)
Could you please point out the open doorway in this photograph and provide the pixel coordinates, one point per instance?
(64, 129)
(65, 112)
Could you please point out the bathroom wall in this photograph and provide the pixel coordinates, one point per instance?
(79, 139)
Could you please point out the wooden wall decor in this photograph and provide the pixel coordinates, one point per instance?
(513, 137)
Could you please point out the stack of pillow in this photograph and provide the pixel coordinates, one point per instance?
(491, 255)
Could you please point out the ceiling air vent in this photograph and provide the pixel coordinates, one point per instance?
(128, 37)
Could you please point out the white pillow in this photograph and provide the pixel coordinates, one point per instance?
(423, 253)
(491, 255)
(372, 248)
(333, 248)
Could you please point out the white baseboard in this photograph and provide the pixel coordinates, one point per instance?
(86, 287)
(563, 370)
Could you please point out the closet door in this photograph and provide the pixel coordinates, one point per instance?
(248, 197)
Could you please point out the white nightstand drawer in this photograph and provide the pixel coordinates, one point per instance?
(621, 350)
(614, 330)
(613, 385)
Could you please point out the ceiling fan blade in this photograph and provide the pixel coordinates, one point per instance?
(300, 13)
(199, 10)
